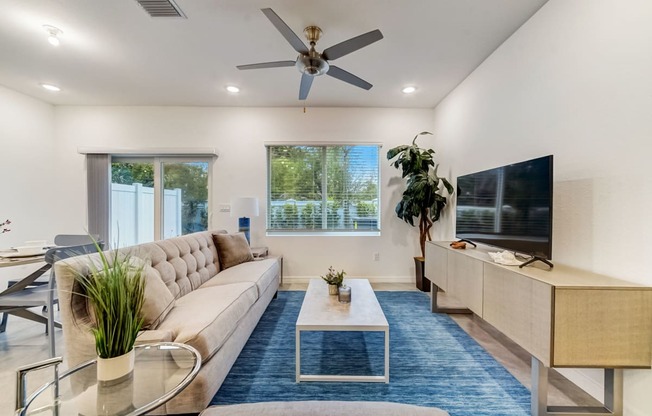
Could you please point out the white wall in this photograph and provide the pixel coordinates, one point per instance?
(239, 135)
(27, 185)
(27, 174)
(575, 81)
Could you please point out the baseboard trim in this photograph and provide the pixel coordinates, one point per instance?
(372, 279)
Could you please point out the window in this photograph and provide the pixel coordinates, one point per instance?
(157, 197)
(323, 188)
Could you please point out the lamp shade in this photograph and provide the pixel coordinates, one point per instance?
(244, 207)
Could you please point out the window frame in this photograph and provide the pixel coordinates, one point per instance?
(323, 231)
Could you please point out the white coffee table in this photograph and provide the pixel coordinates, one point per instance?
(323, 312)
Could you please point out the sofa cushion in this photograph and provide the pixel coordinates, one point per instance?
(232, 249)
(260, 272)
(205, 318)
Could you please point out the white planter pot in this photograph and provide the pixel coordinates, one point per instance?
(110, 369)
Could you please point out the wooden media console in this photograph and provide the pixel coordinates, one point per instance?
(565, 317)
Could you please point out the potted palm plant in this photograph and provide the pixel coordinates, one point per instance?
(422, 201)
(115, 289)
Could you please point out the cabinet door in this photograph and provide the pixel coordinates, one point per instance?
(465, 280)
(602, 327)
(520, 308)
(437, 265)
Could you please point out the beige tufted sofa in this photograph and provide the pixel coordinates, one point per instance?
(189, 299)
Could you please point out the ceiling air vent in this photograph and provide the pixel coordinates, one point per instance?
(161, 8)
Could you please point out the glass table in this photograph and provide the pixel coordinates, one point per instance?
(161, 371)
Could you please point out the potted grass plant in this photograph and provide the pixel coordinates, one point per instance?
(334, 280)
(115, 289)
(422, 199)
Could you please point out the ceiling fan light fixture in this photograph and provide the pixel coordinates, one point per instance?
(232, 89)
(312, 65)
(53, 35)
(408, 90)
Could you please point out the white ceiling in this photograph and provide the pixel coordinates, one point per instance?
(114, 53)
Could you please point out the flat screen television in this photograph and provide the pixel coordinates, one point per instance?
(509, 207)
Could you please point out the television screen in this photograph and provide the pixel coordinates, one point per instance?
(508, 207)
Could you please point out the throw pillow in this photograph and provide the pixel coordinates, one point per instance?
(216, 259)
(232, 249)
(158, 299)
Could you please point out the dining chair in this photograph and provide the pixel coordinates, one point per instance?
(20, 297)
(60, 240)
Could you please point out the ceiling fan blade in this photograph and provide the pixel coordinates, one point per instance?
(304, 89)
(277, 64)
(285, 30)
(342, 75)
(351, 45)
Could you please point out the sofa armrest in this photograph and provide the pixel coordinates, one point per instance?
(154, 335)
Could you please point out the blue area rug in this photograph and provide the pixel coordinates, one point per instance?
(433, 362)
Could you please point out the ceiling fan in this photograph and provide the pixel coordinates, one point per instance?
(312, 63)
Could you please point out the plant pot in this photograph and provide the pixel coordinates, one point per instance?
(114, 370)
(423, 284)
(332, 289)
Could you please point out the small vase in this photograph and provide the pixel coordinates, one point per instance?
(116, 369)
(344, 294)
(332, 289)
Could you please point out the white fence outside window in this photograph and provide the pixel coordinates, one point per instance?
(306, 215)
(132, 208)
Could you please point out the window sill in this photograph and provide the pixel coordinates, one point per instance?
(323, 233)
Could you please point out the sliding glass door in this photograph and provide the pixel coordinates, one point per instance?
(158, 197)
(185, 206)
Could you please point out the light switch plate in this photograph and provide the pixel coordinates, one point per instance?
(225, 207)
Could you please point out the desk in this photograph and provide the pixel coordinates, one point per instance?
(161, 371)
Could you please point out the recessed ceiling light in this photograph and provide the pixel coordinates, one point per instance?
(409, 90)
(50, 87)
(232, 88)
(53, 34)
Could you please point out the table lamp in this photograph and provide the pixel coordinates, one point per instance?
(244, 208)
